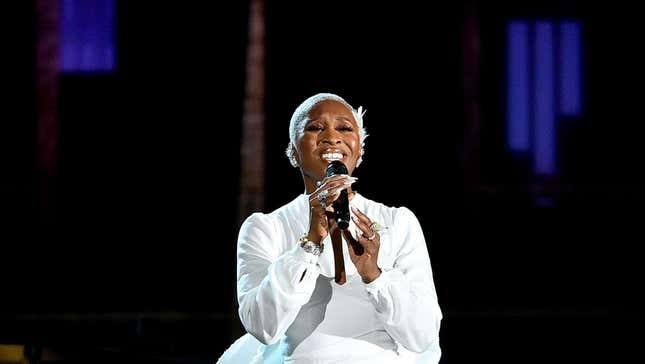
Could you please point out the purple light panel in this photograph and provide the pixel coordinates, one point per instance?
(544, 100)
(87, 35)
(539, 89)
(570, 68)
(518, 108)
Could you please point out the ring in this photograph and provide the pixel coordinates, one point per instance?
(375, 227)
(322, 195)
(372, 236)
(323, 205)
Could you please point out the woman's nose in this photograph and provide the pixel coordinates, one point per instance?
(330, 136)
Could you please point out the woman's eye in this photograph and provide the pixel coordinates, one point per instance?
(346, 128)
(314, 127)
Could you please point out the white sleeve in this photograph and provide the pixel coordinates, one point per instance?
(404, 296)
(271, 287)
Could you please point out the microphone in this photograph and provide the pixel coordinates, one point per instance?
(341, 205)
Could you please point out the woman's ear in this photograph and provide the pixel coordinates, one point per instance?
(293, 156)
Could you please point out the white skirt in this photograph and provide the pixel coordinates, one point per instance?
(247, 349)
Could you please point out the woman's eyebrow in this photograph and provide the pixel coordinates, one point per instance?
(341, 117)
(309, 121)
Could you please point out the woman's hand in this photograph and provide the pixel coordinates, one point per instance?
(364, 251)
(321, 211)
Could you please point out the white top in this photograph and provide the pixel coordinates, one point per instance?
(289, 301)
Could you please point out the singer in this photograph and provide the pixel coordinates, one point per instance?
(311, 291)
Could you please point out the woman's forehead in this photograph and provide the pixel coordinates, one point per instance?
(331, 107)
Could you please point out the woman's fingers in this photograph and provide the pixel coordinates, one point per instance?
(336, 181)
(355, 248)
(363, 229)
(329, 190)
(361, 216)
(364, 224)
(325, 199)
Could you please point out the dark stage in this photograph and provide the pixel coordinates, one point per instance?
(119, 243)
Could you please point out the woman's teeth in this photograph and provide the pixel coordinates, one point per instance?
(332, 156)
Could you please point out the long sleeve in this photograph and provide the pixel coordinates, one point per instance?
(271, 285)
(404, 296)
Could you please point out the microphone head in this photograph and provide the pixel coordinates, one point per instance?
(342, 224)
(336, 167)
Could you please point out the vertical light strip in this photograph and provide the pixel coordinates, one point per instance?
(518, 107)
(108, 37)
(252, 148)
(570, 68)
(544, 137)
(471, 62)
(87, 35)
(47, 66)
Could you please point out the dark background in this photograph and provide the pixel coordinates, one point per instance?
(146, 195)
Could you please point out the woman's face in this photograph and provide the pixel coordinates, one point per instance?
(330, 133)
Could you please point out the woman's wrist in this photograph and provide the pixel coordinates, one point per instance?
(314, 237)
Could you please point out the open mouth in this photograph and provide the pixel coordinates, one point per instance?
(331, 156)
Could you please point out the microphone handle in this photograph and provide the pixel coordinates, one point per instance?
(341, 210)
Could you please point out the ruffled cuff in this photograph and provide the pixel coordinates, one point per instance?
(374, 287)
(293, 276)
(303, 256)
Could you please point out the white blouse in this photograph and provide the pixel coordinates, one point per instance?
(289, 301)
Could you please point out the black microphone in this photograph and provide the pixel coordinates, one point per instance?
(341, 205)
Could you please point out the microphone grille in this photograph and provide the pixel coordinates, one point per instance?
(336, 167)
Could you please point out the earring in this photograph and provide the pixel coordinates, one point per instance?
(291, 154)
(294, 161)
(360, 157)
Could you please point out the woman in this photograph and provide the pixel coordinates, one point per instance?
(386, 311)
